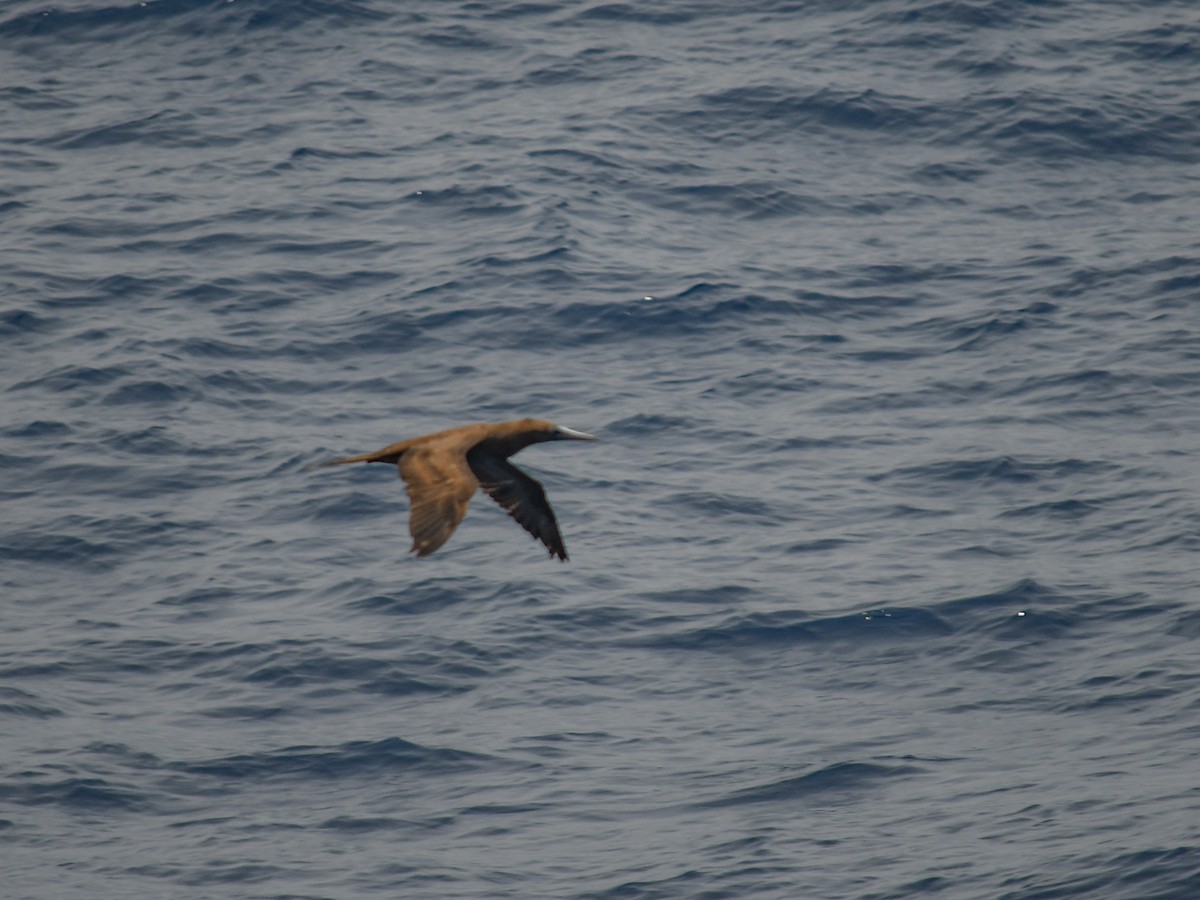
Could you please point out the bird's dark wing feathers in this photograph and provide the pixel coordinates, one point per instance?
(523, 497)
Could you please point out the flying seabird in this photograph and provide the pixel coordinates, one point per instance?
(442, 471)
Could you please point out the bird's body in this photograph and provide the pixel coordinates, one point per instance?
(443, 470)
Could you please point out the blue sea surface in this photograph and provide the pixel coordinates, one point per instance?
(884, 576)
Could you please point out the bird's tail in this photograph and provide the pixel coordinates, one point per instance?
(378, 456)
(362, 457)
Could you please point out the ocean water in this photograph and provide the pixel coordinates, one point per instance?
(884, 577)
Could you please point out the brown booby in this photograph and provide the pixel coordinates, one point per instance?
(443, 470)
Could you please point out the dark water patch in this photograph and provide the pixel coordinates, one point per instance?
(423, 597)
(351, 825)
(325, 15)
(459, 37)
(636, 13)
(91, 541)
(1060, 134)
(762, 383)
(323, 673)
(37, 546)
(126, 287)
(1099, 393)
(1162, 273)
(547, 267)
(39, 428)
(904, 510)
(770, 630)
(994, 471)
(374, 333)
(821, 545)
(75, 795)
(298, 667)
(323, 153)
(247, 713)
(767, 111)
(981, 551)
(1179, 284)
(589, 158)
(1146, 198)
(837, 783)
(1156, 873)
(15, 323)
(400, 684)
(212, 348)
(226, 660)
(1064, 510)
(1026, 612)
(151, 392)
(95, 23)
(27, 669)
(1031, 612)
(1186, 625)
(350, 760)
(122, 754)
(687, 884)
(484, 200)
(206, 293)
(519, 9)
(352, 505)
(1176, 44)
(349, 247)
(584, 625)
(70, 295)
(642, 424)
(70, 378)
(389, 666)
(1017, 596)
(22, 704)
(167, 129)
(873, 403)
(152, 441)
(718, 507)
(502, 809)
(943, 13)
(722, 595)
(33, 99)
(95, 659)
(940, 173)
(178, 19)
(1125, 697)
(1030, 626)
(981, 65)
(888, 355)
(794, 443)
(750, 200)
(214, 872)
(234, 384)
(754, 201)
(988, 331)
(876, 275)
(703, 308)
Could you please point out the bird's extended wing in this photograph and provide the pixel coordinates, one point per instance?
(440, 486)
(521, 495)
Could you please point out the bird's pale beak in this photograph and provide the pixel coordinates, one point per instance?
(563, 433)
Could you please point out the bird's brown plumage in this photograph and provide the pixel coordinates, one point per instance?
(442, 471)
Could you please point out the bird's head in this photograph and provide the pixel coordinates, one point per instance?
(563, 433)
(539, 430)
(515, 435)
